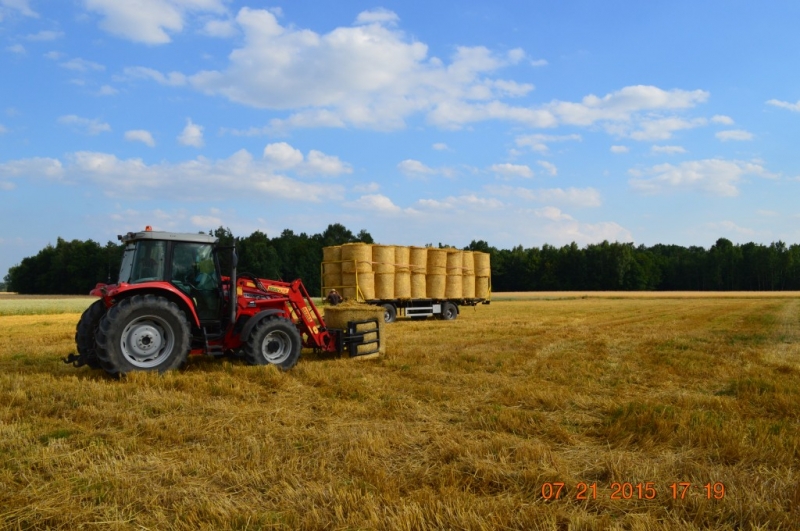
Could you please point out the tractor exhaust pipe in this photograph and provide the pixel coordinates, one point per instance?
(234, 296)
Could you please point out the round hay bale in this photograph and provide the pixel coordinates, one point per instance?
(482, 287)
(331, 281)
(419, 288)
(383, 258)
(356, 257)
(348, 290)
(366, 285)
(332, 253)
(435, 286)
(482, 267)
(437, 261)
(468, 286)
(455, 262)
(384, 285)
(339, 316)
(468, 262)
(418, 259)
(402, 272)
(454, 287)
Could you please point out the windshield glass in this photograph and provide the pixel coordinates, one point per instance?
(148, 262)
(127, 263)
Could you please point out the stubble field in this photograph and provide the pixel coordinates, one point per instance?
(469, 424)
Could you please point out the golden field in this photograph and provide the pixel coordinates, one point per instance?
(459, 426)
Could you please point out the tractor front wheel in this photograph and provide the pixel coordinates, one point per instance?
(86, 335)
(143, 333)
(274, 341)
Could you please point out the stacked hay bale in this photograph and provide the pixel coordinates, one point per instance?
(454, 282)
(482, 274)
(419, 270)
(402, 272)
(357, 271)
(339, 316)
(384, 268)
(436, 278)
(331, 268)
(468, 277)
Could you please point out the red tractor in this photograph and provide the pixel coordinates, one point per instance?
(171, 300)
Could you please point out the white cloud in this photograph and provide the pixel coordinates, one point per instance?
(512, 170)
(413, 167)
(54, 55)
(3, 129)
(785, 105)
(539, 142)
(539, 62)
(367, 188)
(206, 221)
(376, 203)
(668, 150)
(713, 176)
(107, 90)
(220, 28)
(140, 135)
(173, 79)
(16, 48)
(85, 125)
(660, 129)
(21, 6)
(580, 197)
(722, 119)
(730, 227)
(192, 135)
(149, 21)
(45, 35)
(619, 149)
(200, 179)
(283, 156)
(734, 134)
(81, 65)
(440, 146)
(549, 167)
(377, 16)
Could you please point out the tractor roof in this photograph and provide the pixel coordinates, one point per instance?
(171, 236)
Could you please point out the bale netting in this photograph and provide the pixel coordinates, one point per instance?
(453, 284)
(402, 272)
(418, 259)
(339, 316)
(468, 278)
(356, 257)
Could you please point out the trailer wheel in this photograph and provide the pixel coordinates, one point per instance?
(86, 335)
(389, 313)
(274, 341)
(143, 333)
(449, 311)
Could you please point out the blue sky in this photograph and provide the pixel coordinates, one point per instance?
(518, 122)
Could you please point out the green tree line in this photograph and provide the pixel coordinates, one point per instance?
(74, 267)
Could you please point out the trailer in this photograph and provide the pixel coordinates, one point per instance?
(407, 282)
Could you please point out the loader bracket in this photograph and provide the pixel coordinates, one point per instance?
(356, 335)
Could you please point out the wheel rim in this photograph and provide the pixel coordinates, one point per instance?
(387, 316)
(276, 347)
(146, 341)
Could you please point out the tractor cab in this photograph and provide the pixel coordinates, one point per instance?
(186, 261)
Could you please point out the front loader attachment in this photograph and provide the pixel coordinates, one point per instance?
(360, 338)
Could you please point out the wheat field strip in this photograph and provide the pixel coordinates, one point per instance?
(459, 426)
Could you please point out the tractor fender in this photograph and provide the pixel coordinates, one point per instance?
(254, 320)
(163, 289)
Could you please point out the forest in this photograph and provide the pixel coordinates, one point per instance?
(74, 267)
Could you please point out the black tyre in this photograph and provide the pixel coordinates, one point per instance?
(449, 311)
(389, 313)
(274, 341)
(86, 335)
(143, 333)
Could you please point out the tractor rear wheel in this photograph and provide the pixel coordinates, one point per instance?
(143, 333)
(86, 335)
(274, 341)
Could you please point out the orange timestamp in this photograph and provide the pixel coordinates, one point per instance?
(623, 490)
